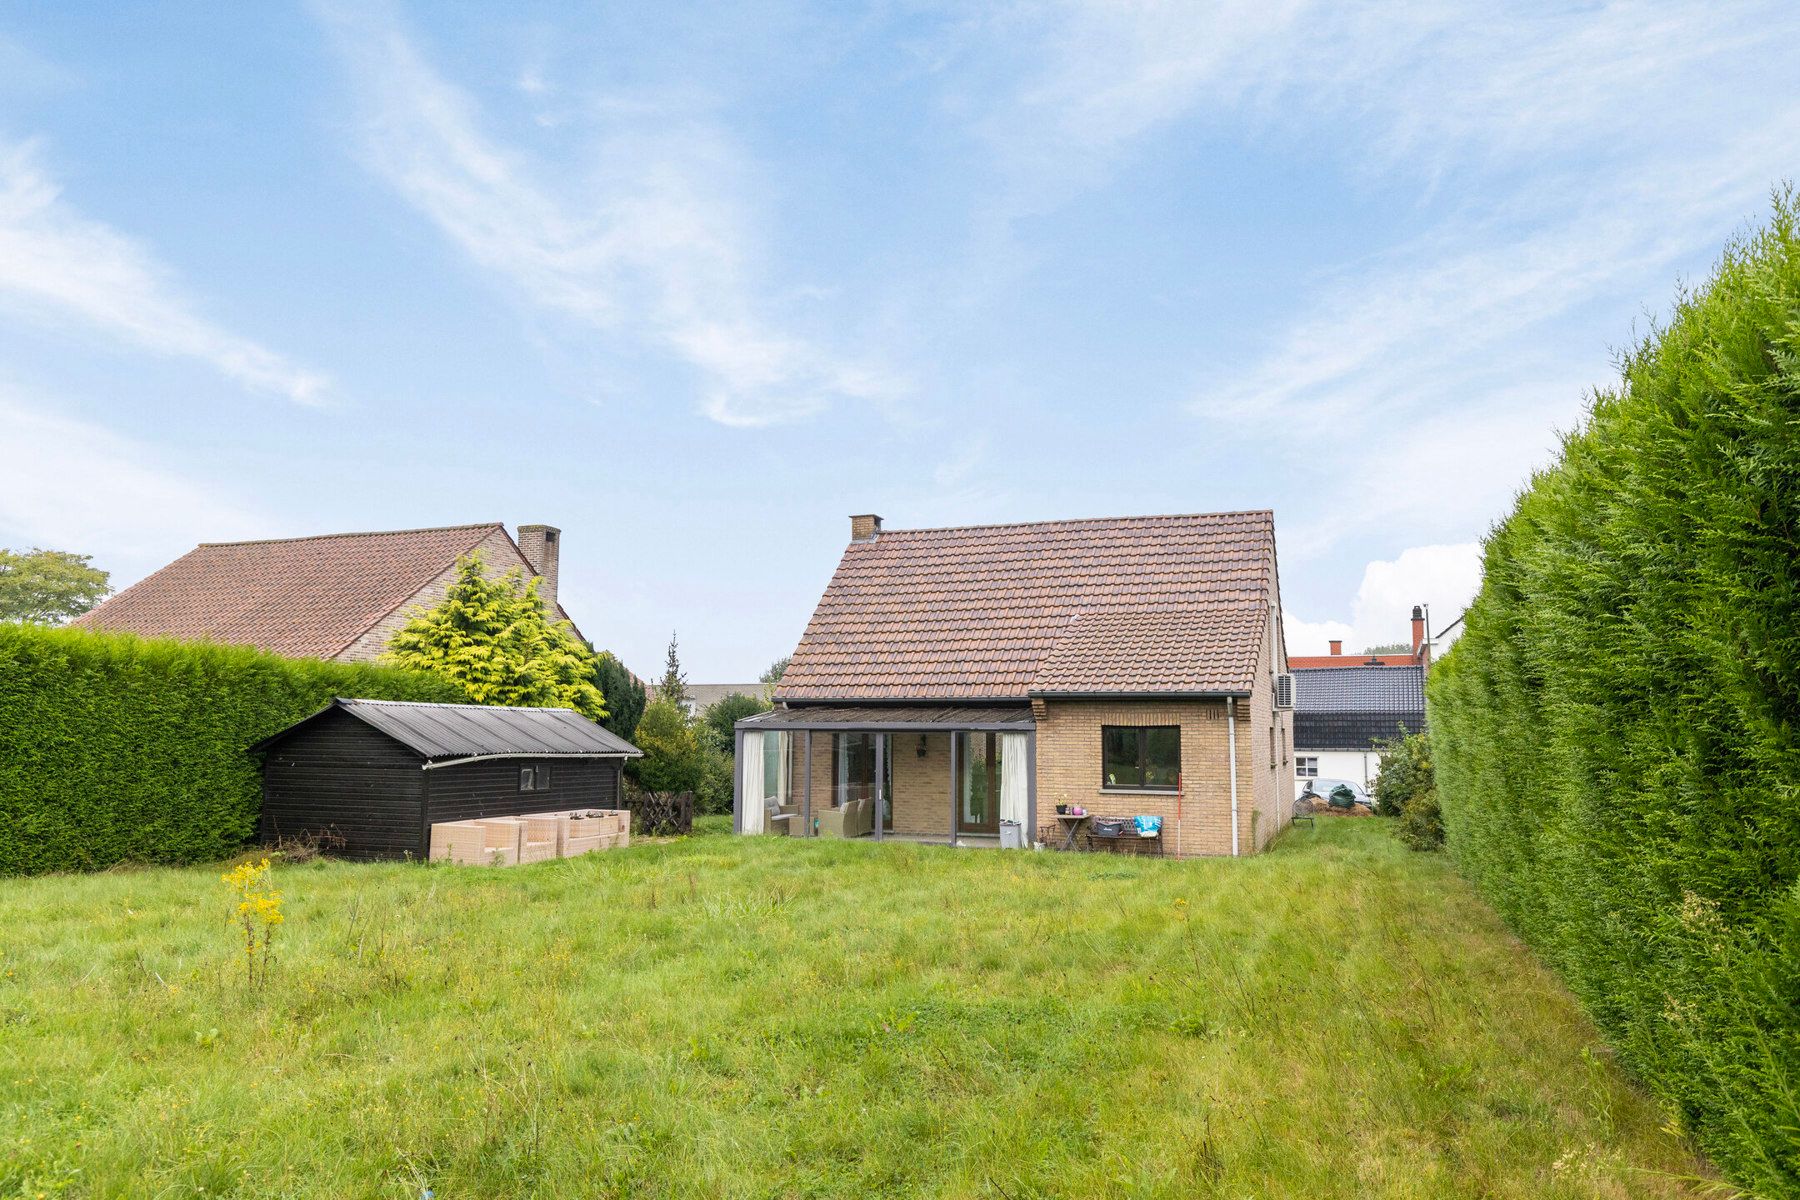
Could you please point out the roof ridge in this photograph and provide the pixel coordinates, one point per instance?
(320, 537)
(1240, 512)
(455, 704)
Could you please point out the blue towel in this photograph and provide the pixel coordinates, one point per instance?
(1148, 826)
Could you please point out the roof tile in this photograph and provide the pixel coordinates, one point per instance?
(1131, 604)
(303, 597)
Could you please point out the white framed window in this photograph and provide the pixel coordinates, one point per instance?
(1306, 766)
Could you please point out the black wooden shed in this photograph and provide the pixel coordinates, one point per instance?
(371, 777)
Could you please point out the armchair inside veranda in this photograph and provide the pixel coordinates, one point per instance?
(851, 819)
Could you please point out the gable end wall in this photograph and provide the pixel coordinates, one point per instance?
(497, 551)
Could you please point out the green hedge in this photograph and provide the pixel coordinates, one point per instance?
(117, 749)
(1615, 735)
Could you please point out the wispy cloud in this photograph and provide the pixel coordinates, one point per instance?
(1411, 87)
(1442, 315)
(650, 246)
(75, 486)
(63, 270)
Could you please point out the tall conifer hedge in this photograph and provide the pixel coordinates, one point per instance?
(1617, 734)
(118, 749)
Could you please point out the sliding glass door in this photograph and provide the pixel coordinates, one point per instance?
(978, 784)
(853, 772)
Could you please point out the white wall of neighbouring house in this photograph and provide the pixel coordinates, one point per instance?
(1358, 766)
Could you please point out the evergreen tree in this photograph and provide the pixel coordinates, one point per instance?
(673, 760)
(673, 687)
(624, 694)
(495, 640)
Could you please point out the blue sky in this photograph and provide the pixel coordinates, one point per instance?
(697, 282)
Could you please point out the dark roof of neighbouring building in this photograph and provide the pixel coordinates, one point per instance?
(1128, 605)
(307, 597)
(439, 731)
(1348, 708)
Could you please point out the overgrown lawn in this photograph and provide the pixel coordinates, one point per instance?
(756, 1017)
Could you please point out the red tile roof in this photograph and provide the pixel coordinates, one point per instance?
(305, 597)
(1312, 662)
(1132, 604)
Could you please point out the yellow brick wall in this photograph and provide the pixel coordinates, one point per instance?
(1198, 822)
(1272, 743)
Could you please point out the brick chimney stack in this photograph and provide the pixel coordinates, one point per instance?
(542, 547)
(865, 528)
(1418, 629)
(1337, 645)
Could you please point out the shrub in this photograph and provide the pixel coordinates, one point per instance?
(1405, 772)
(719, 722)
(1618, 731)
(115, 748)
(1422, 824)
(713, 792)
(672, 761)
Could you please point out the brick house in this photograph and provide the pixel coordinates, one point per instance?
(339, 596)
(953, 682)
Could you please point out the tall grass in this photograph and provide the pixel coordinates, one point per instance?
(758, 1017)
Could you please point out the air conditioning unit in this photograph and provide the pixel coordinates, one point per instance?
(1284, 691)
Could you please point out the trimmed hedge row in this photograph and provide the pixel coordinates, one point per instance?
(119, 749)
(1617, 734)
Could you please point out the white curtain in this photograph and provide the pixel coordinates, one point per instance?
(1013, 780)
(784, 783)
(750, 771)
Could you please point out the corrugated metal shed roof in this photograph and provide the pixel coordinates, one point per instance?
(473, 730)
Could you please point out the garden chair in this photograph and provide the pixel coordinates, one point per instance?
(1303, 810)
(779, 820)
(851, 819)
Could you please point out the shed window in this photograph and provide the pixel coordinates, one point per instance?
(535, 778)
(1140, 756)
(1306, 766)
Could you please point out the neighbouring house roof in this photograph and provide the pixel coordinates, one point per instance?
(705, 695)
(303, 597)
(1348, 708)
(894, 716)
(1127, 605)
(1320, 662)
(441, 731)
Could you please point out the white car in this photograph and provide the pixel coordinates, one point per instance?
(1322, 788)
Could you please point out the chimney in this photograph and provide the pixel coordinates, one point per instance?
(1337, 645)
(542, 547)
(865, 528)
(1418, 629)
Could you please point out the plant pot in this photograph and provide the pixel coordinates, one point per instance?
(1062, 810)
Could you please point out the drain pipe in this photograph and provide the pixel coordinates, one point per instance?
(1231, 738)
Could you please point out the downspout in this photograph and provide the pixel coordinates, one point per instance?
(1231, 737)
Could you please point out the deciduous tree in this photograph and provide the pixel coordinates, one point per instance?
(48, 587)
